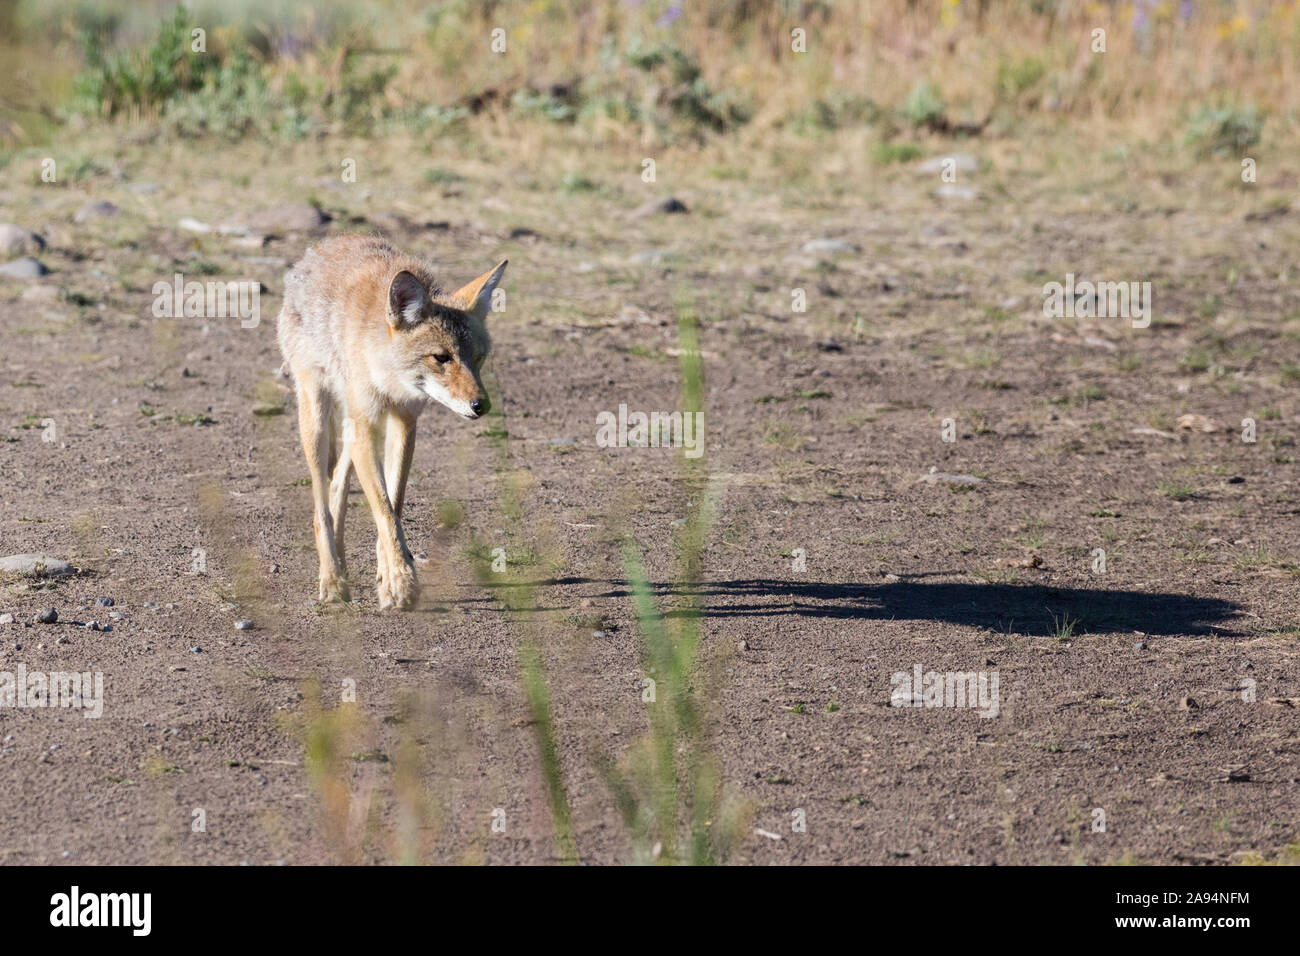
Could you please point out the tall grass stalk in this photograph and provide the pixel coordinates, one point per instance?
(675, 782)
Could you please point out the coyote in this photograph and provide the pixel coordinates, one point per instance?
(370, 338)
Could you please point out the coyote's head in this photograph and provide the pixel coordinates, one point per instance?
(440, 342)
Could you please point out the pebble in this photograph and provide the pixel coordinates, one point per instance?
(938, 477)
(24, 268)
(243, 625)
(828, 245)
(47, 616)
(96, 209)
(17, 241)
(659, 207)
(950, 191)
(6, 618)
(105, 602)
(289, 218)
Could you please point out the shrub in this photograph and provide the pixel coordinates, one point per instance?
(1215, 130)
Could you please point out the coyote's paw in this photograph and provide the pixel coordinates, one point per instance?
(333, 589)
(398, 588)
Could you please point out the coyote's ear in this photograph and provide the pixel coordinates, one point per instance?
(476, 297)
(406, 300)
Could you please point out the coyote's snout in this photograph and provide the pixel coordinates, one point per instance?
(370, 339)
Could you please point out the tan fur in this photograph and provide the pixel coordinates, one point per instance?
(370, 339)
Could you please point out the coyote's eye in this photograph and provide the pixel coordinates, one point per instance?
(442, 358)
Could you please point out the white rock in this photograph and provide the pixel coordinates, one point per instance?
(39, 564)
(17, 241)
(828, 245)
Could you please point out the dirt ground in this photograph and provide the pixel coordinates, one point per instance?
(1161, 691)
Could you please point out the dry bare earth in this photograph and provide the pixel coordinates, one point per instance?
(819, 425)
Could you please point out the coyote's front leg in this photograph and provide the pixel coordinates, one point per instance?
(314, 410)
(395, 579)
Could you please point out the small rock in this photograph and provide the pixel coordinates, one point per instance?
(243, 625)
(40, 565)
(938, 477)
(104, 602)
(600, 633)
(952, 191)
(24, 268)
(1140, 646)
(17, 241)
(91, 625)
(6, 618)
(634, 315)
(743, 646)
(96, 209)
(659, 207)
(196, 649)
(288, 218)
(1198, 423)
(828, 246)
(47, 616)
(1188, 703)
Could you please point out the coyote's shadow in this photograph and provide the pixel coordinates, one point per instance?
(1010, 608)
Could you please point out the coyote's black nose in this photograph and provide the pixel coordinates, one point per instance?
(480, 406)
